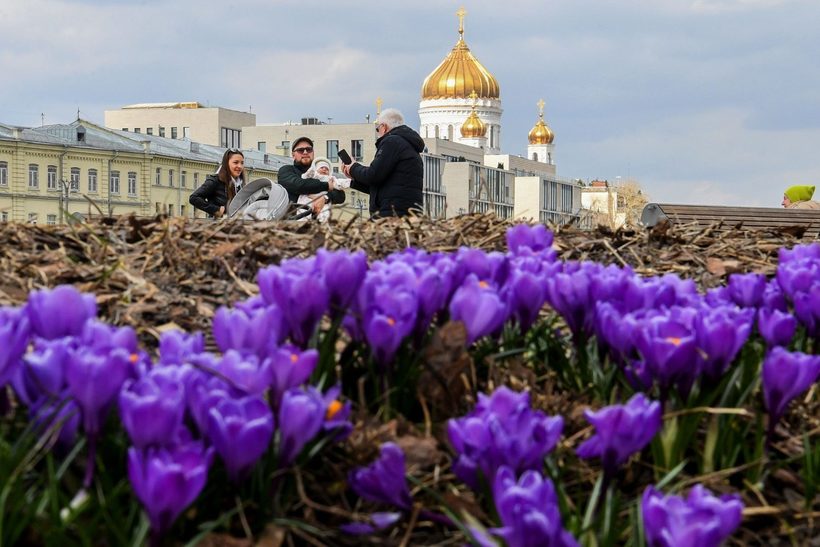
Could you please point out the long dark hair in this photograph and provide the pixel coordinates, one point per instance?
(225, 173)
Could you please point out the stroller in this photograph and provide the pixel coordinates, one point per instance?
(261, 199)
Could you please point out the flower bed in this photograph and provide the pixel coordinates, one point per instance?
(562, 401)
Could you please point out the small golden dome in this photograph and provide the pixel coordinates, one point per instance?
(541, 133)
(473, 126)
(459, 74)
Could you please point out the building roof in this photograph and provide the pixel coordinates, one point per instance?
(101, 138)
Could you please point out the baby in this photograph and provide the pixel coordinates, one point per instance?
(318, 202)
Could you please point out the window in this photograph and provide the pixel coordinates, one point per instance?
(262, 146)
(51, 220)
(51, 179)
(171, 178)
(357, 150)
(136, 130)
(4, 216)
(33, 176)
(74, 184)
(158, 180)
(161, 131)
(132, 183)
(92, 181)
(114, 183)
(158, 208)
(170, 209)
(4, 173)
(196, 181)
(230, 138)
(182, 176)
(286, 147)
(125, 129)
(333, 151)
(182, 210)
(32, 218)
(173, 132)
(186, 132)
(149, 130)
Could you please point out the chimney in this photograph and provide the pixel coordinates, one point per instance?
(146, 146)
(17, 133)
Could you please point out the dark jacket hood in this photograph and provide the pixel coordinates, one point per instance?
(412, 138)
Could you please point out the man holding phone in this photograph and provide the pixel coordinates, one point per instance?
(290, 176)
(395, 178)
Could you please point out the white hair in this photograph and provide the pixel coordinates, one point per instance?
(391, 118)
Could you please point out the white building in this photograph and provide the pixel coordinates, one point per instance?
(215, 125)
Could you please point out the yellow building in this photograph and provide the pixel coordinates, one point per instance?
(82, 169)
(184, 120)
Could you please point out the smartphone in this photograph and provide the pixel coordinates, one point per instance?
(345, 157)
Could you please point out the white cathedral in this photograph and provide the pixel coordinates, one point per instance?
(461, 102)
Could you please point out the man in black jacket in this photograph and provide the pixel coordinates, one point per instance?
(395, 178)
(290, 176)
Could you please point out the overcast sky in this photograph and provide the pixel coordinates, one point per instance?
(701, 101)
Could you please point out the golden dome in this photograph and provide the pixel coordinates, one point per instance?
(473, 126)
(541, 133)
(459, 74)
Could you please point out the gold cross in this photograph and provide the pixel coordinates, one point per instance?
(473, 95)
(378, 105)
(461, 13)
(541, 104)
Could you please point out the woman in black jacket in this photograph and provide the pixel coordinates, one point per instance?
(219, 189)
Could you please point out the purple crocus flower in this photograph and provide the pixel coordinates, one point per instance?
(569, 294)
(14, 334)
(384, 480)
(525, 295)
(177, 347)
(388, 308)
(298, 287)
(289, 367)
(167, 480)
(489, 267)
(668, 349)
(807, 309)
(479, 306)
(720, 333)
(776, 327)
(241, 431)
(202, 391)
(785, 376)
(620, 431)
(343, 274)
(43, 372)
(528, 509)
(94, 380)
(746, 290)
(301, 416)
(534, 237)
(246, 372)
(255, 331)
(701, 520)
(501, 430)
(151, 408)
(59, 312)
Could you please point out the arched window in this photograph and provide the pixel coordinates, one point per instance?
(450, 132)
(437, 135)
(535, 156)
